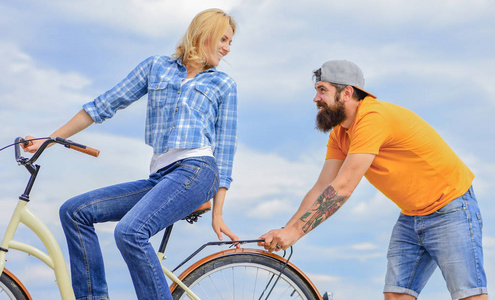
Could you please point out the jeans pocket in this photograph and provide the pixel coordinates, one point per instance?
(186, 171)
(453, 206)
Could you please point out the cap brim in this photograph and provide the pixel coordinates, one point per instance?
(370, 94)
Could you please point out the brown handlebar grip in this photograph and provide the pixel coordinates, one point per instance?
(87, 150)
(25, 143)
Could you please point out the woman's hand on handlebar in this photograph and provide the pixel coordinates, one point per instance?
(32, 145)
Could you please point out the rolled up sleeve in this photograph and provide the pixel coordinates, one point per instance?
(129, 90)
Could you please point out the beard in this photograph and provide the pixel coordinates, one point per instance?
(329, 117)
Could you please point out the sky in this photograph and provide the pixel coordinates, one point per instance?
(435, 58)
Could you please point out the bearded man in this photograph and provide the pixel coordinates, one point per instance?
(407, 160)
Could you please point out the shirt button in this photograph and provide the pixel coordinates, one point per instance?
(178, 92)
(176, 109)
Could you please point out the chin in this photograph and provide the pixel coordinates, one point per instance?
(213, 63)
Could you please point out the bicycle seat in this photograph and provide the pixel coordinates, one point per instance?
(193, 217)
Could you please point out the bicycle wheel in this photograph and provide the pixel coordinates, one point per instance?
(10, 289)
(246, 276)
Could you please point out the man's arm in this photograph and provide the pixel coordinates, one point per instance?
(328, 173)
(329, 201)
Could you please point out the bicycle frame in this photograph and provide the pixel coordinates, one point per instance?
(54, 259)
(167, 272)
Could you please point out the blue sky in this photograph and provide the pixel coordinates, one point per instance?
(435, 58)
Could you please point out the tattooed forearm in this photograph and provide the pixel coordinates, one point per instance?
(325, 206)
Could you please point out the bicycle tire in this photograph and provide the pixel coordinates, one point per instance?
(227, 277)
(11, 289)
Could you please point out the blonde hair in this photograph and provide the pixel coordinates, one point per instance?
(201, 37)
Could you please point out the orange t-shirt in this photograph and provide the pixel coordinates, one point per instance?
(413, 166)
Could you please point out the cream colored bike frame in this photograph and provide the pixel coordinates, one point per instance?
(175, 279)
(54, 259)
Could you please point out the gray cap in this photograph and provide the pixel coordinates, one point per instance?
(343, 72)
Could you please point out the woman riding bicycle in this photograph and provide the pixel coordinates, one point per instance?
(191, 123)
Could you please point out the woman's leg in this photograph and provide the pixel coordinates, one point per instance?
(78, 215)
(183, 187)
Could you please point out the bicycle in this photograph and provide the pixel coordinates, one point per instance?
(237, 273)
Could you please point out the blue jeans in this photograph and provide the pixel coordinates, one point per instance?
(449, 238)
(142, 208)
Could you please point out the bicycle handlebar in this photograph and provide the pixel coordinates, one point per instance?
(67, 143)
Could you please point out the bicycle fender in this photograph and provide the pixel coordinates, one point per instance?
(18, 282)
(242, 251)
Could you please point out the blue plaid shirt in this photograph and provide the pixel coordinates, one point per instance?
(202, 112)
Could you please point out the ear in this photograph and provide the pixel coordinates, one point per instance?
(348, 91)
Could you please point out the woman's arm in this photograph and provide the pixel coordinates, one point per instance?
(78, 123)
(226, 133)
(218, 224)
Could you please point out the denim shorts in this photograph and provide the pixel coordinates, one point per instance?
(449, 238)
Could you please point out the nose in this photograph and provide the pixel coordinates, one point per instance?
(226, 48)
(317, 98)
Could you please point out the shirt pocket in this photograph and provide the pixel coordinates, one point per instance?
(157, 93)
(205, 101)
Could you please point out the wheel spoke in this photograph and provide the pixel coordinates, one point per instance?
(238, 276)
(215, 286)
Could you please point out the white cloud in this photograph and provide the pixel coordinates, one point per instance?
(342, 249)
(378, 205)
(258, 175)
(322, 278)
(484, 170)
(363, 246)
(271, 209)
(469, 74)
(38, 274)
(28, 87)
(437, 12)
(152, 18)
(302, 39)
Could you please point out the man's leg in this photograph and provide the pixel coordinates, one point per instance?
(395, 296)
(454, 241)
(409, 264)
(477, 297)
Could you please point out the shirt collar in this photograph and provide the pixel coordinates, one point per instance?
(178, 61)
